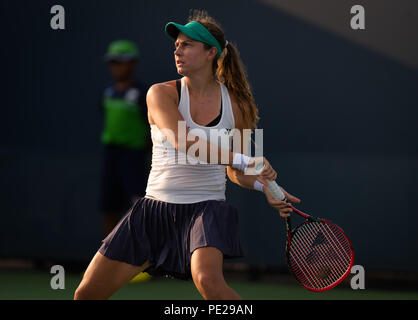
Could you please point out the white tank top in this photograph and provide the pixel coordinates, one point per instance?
(175, 181)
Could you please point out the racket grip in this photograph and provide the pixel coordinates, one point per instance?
(271, 185)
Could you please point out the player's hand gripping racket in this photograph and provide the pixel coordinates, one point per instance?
(319, 253)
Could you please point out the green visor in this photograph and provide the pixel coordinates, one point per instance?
(194, 30)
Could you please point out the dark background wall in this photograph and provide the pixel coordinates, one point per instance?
(339, 124)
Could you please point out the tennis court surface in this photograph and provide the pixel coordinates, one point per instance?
(35, 285)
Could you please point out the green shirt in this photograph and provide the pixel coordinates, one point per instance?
(124, 117)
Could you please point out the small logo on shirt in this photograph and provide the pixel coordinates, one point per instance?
(132, 95)
(225, 131)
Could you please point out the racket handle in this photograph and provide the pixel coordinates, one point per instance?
(271, 185)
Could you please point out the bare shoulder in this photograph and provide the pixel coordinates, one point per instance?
(159, 95)
(163, 90)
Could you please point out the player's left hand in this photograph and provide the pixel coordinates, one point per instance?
(285, 208)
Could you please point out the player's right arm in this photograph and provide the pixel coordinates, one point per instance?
(162, 103)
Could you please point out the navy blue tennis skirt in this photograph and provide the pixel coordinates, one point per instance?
(166, 234)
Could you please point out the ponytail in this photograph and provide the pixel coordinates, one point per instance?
(229, 69)
(231, 73)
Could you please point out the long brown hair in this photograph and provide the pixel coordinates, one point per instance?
(229, 69)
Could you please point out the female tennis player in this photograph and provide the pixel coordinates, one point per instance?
(183, 227)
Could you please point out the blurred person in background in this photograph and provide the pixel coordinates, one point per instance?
(125, 134)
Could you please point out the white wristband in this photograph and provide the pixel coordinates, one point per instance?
(258, 186)
(240, 161)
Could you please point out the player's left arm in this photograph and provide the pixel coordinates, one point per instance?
(237, 176)
(248, 181)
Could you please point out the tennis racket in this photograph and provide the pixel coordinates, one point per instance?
(318, 253)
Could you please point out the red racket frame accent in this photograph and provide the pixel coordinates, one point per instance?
(289, 236)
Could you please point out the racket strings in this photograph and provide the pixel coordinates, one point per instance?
(319, 254)
(314, 257)
(310, 269)
(314, 272)
(315, 266)
(322, 267)
(335, 245)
